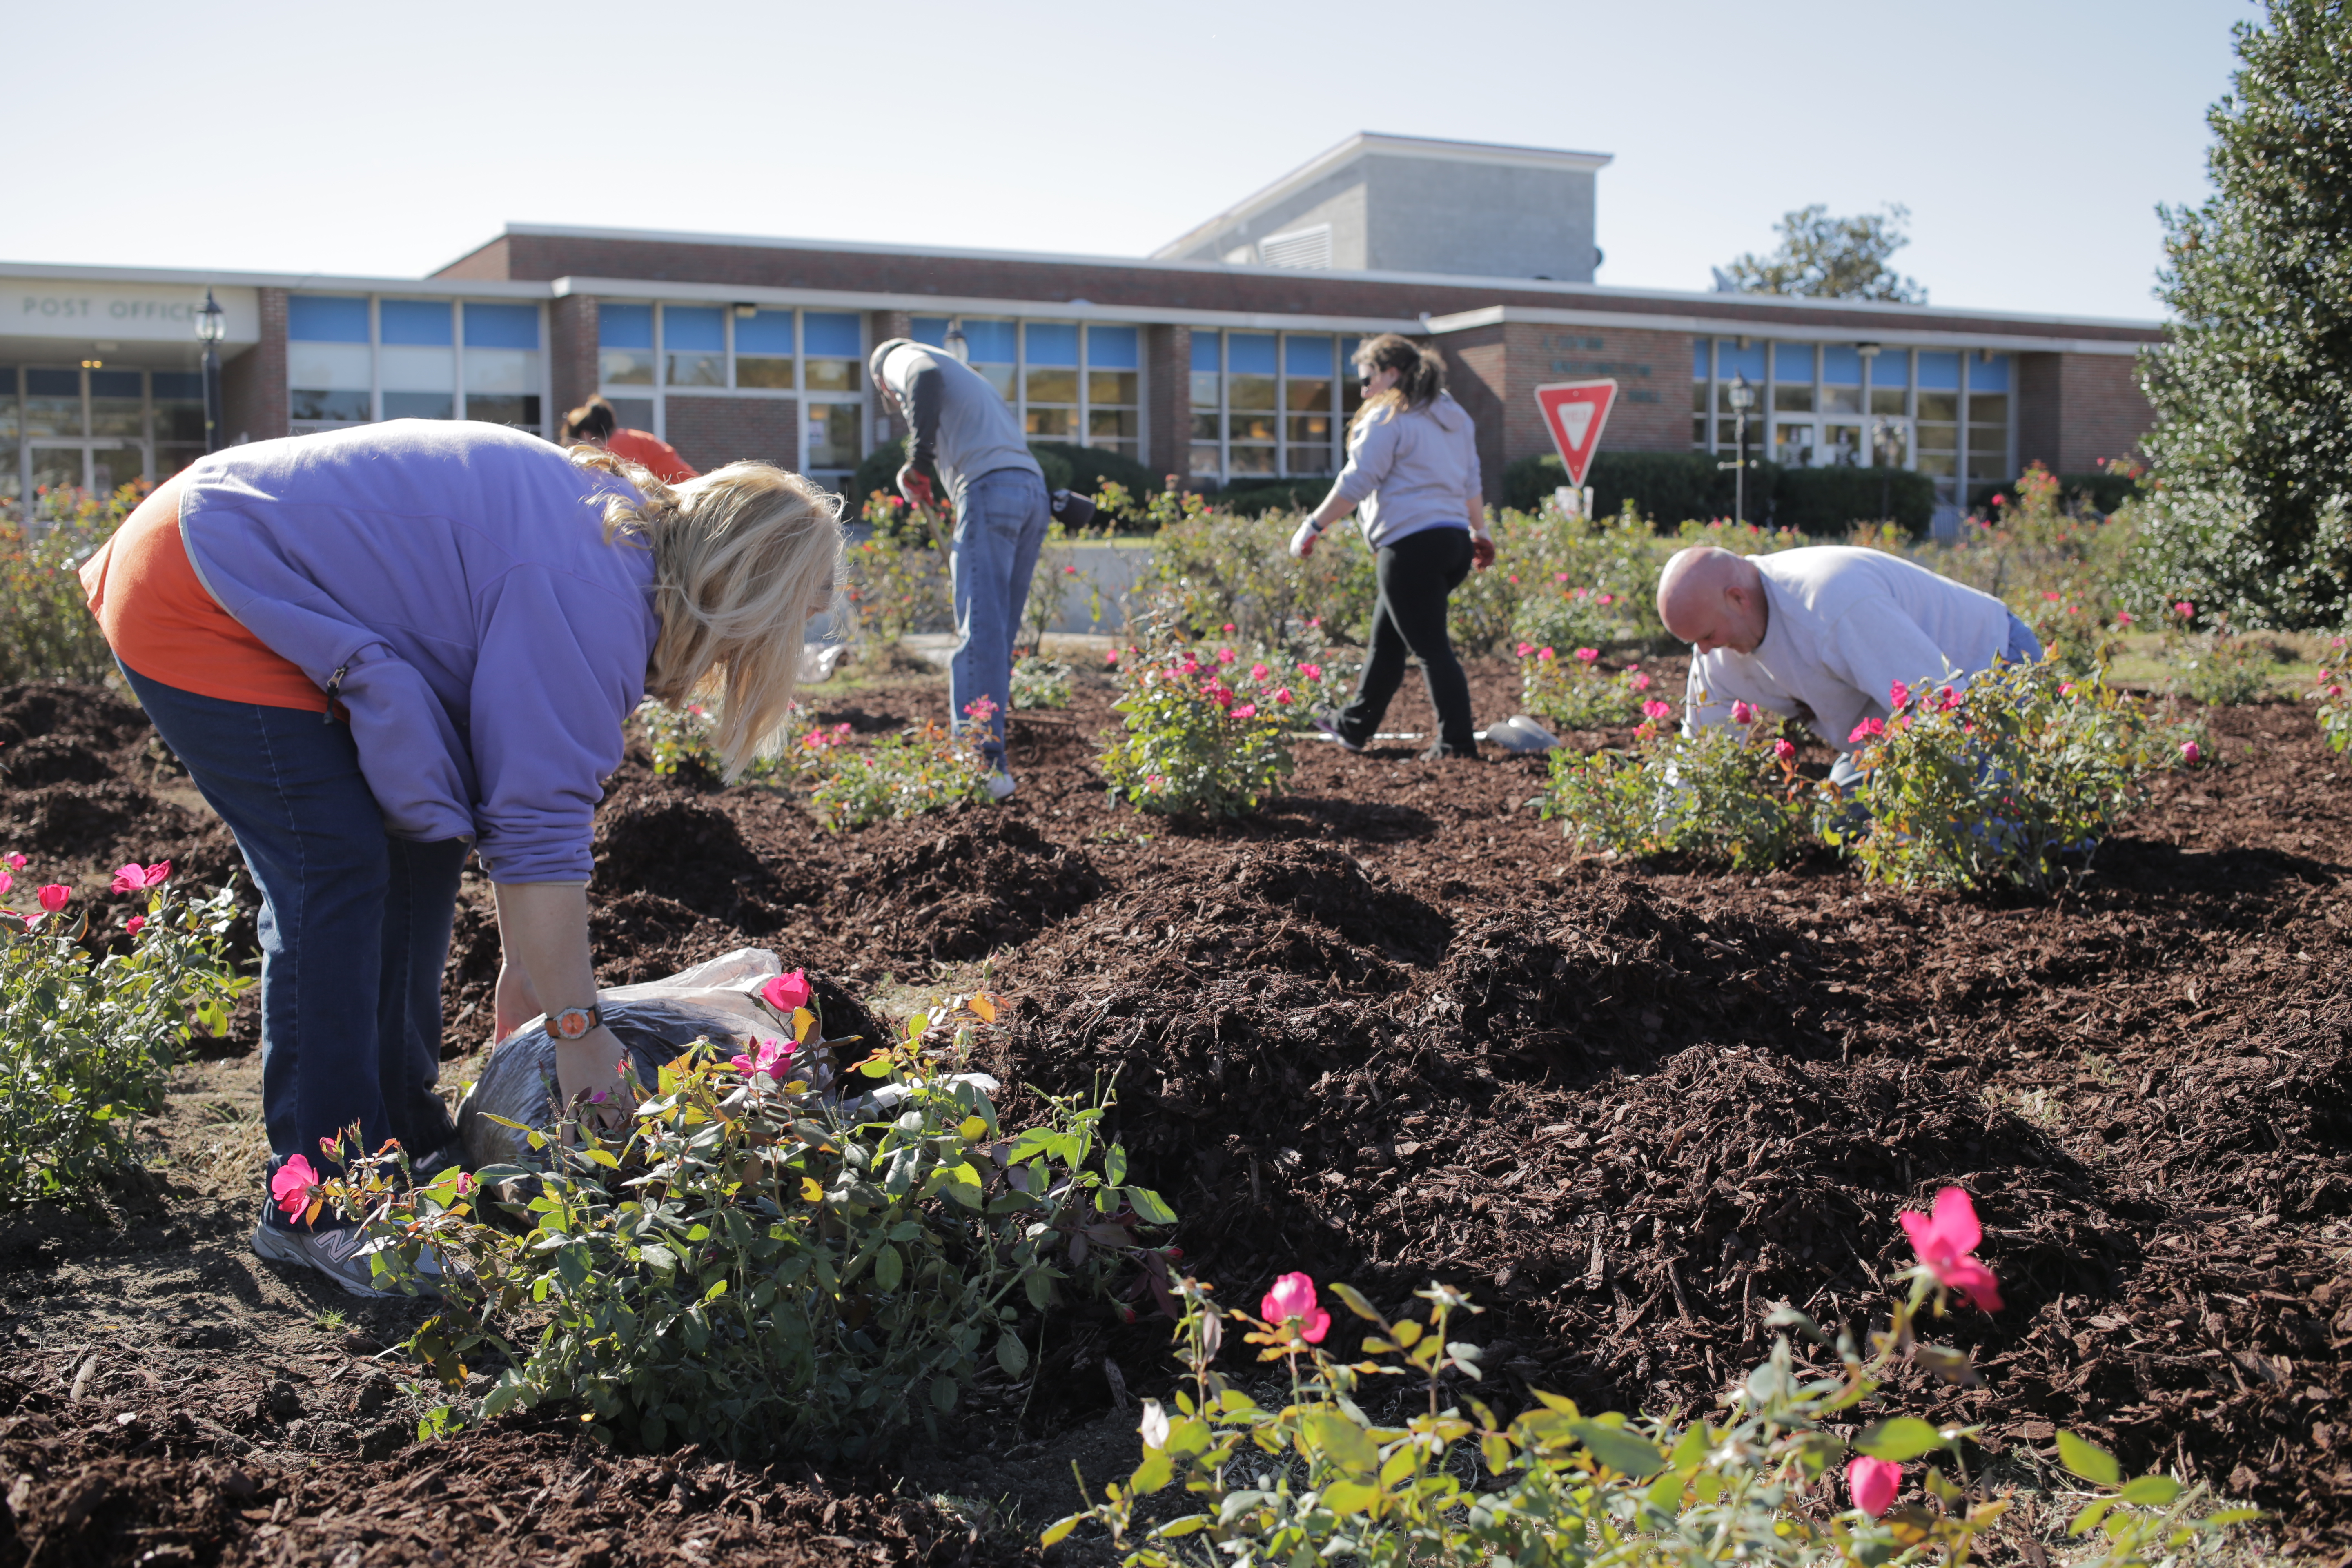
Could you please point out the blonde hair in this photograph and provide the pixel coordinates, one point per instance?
(1421, 375)
(741, 555)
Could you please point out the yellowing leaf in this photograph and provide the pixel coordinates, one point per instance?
(812, 1190)
(1345, 1498)
(985, 1006)
(972, 1128)
(803, 1022)
(1058, 1531)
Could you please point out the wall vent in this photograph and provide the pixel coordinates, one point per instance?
(1304, 249)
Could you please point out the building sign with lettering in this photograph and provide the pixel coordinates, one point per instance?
(92, 313)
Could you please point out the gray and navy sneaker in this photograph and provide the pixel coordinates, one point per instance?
(336, 1253)
(1328, 724)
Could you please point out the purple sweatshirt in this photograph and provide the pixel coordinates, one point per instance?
(490, 642)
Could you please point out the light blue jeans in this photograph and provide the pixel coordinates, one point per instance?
(998, 535)
(2023, 647)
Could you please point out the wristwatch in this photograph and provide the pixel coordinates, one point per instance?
(573, 1023)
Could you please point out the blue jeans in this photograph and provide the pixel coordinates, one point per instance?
(2023, 647)
(999, 532)
(354, 923)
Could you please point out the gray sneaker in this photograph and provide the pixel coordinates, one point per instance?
(1328, 723)
(337, 1253)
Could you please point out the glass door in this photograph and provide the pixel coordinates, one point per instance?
(98, 466)
(1890, 442)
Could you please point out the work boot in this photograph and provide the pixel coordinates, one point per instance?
(1439, 752)
(1000, 783)
(336, 1253)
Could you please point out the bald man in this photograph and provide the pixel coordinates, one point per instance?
(1822, 634)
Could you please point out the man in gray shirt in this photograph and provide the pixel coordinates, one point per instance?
(965, 430)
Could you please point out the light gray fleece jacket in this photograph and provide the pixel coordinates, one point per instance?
(1414, 470)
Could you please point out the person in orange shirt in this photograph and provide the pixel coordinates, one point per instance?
(593, 423)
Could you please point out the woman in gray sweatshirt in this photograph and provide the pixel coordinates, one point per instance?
(1412, 480)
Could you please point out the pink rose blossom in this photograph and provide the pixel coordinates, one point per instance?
(135, 925)
(293, 1185)
(771, 1059)
(1559, 576)
(1869, 729)
(1741, 713)
(1899, 692)
(2185, 610)
(1607, 598)
(1654, 709)
(1259, 672)
(1945, 1242)
(1282, 696)
(1873, 1484)
(6, 881)
(1069, 571)
(16, 862)
(786, 992)
(1226, 654)
(1543, 656)
(1111, 657)
(1311, 671)
(1246, 710)
(2052, 597)
(53, 897)
(1949, 700)
(2122, 618)
(1293, 1297)
(1229, 628)
(1641, 682)
(2191, 754)
(1526, 649)
(1588, 656)
(464, 1183)
(1783, 750)
(136, 878)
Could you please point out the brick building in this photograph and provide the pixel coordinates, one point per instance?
(1223, 359)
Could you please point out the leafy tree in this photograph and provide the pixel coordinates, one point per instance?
(1830, 258)
(2252, 452)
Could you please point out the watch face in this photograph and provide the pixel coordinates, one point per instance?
(570, 1024)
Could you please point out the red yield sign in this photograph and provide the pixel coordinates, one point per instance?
(1575, 410)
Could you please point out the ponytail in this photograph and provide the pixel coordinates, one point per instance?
(591, 421)
(1421, 375)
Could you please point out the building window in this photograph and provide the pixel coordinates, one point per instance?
(1208, 381)
(764, 349)
(502, 367)
(1307, 402)
(1049, 380)
(94, 429)
(694, 345)
(329, 366)
(1986, 428)
(1267, 406)
(1114, 390)
(624, 345)
(178, 400)
(417, 362)
(1252, 399)
(1702, 377)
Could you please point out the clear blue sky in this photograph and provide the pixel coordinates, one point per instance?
(2032, 140)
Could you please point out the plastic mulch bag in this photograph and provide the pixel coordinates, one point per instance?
(655, 1021)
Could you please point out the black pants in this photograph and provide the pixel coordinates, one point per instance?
(1416, 574)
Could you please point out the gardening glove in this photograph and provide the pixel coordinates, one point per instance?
(1482, 551)
(1302, 543)
(916, 488)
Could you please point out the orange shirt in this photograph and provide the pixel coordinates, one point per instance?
(161, 622)
(652, 454)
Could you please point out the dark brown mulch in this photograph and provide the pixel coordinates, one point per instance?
(1393, 1028)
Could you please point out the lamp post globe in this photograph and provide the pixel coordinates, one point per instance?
(212, 327)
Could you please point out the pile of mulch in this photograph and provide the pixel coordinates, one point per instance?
(1394, 1028)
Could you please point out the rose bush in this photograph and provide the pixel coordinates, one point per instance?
(1567, 686)
(1207, 729)
(89, 1039)
(1318, 1479)
(1730, 795)
(2017, 781)
(766, 1265)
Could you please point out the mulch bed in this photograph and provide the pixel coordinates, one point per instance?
(1393, 1028)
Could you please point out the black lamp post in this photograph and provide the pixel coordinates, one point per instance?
(212, 326)
(1742, 397)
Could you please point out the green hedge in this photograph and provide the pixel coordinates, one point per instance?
(1255, 498)
(1825, 502)
(1669, 487)
(2105, 492)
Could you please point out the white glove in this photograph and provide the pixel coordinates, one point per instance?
(1302, 541)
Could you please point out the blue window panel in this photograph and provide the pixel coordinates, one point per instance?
(1307, 356)
(116, 383)
(326, 319)
(831, 335)
(1249, 354)
(990, 342)
(424, 323)
(1792, 362)
(1204, 354)
(1114, 348)
(1348, 347)
(501, 326)
(1984, 375)
(1890, 367)
(1053, 344)
(1841, 366)
(764, 332)
(1731, 360)
(929, 329)
(1939, 371)
(624, 326)
(53, 384)
(692, 329)
(168, 384)
(1699, 368)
